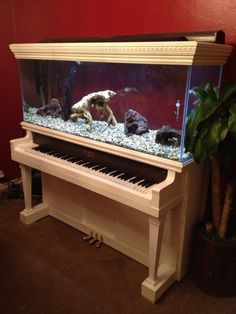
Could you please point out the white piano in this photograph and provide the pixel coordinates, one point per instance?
(142, 205)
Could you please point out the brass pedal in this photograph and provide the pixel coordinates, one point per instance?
(98, 244)
(99, 241)
(88, 237)
(93, 240)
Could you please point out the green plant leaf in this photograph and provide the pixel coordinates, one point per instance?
(204, 111)
(210, 91)
(224, 129)
(212, 139)
(205, 93)
(229, 91)
(217, 91)
(189, 140)
(198, 152)
(200, 94)
(197, 147)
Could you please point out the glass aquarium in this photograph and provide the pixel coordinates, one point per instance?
(142, 107)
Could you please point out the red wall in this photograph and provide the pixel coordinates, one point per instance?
(31, 21)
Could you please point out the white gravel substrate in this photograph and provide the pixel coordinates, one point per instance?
(104, 133)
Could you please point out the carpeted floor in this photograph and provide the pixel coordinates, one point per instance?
(46, 267)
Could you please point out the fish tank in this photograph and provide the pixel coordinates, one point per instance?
(121, 99)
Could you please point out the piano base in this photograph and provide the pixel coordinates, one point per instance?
(160, 243)
(152, 292)
(27, 216)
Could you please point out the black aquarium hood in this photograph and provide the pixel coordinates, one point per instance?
(206, 36)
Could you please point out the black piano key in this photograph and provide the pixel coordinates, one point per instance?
(75, 159)
(98, 167)
(117, 173)
(144, 182)
(80, 161)
(83, 163)
(136, 179)
(107, 170)
(65, 157)
(90, 165)
(126, 176)
(50, 152)
(42, 149)
(70, 158)
(120, 175)
(149, 184)
(46, 149)
(54, 154)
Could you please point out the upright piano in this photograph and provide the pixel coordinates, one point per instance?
(141, 200)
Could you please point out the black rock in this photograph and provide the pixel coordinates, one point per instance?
(169, 136)
(52, 109)
(135, 123)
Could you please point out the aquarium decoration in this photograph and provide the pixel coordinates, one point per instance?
(135, 123)
(167, 135)
(53, 109)
(177, 111)
(99, 101)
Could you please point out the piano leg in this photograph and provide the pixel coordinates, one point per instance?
(160, 276)
(26, 175)
(30, 213)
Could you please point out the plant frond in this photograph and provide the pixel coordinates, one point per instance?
(229, 92)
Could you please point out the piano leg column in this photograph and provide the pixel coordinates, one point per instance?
(26, 175)
(30, 213)
(160, 277)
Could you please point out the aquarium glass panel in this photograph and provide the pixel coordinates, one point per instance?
(137, 106)
(202, 75)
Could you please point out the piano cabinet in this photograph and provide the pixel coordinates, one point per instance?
(153, 229)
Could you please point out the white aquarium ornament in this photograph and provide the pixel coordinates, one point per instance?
(177, 105)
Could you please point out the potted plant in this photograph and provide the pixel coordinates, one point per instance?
(211, 135)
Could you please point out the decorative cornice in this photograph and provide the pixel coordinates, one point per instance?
(176, 53)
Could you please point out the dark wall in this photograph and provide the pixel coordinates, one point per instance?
(31, 21)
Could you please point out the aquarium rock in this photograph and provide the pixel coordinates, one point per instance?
(53, 109)
(135, 123)
(169, 136)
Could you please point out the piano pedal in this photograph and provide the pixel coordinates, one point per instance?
(99, 242)
(93, 240)
(88, 237)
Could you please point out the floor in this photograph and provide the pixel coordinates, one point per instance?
(47, 267)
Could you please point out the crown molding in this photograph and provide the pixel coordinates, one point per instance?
(172, 53)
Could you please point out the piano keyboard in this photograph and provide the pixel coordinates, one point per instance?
(118, 175)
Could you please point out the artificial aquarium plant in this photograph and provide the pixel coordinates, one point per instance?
(211, 134)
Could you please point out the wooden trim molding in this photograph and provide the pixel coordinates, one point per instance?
(172, 53)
